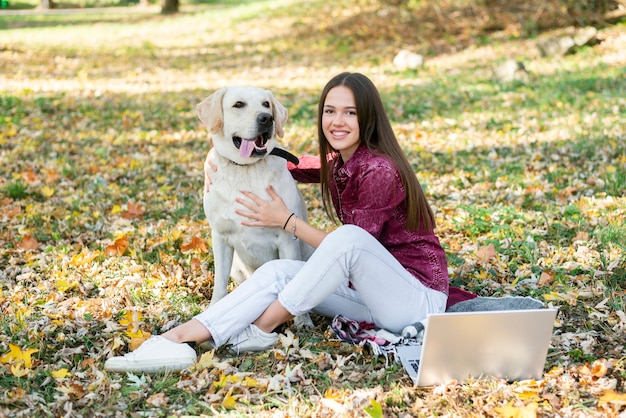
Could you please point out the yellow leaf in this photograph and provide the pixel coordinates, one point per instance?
(510, 411)
(16, 355)
(61, 373)
(229, 402)
(26, 357)
(13, 354)
(116, 209)
(134, 343)
(131, 319)
(224, 380)
(135, 334)
(332, 394)
(84, 258)
(528, 394)
(250, 382)
(19, 371)
(552, 296)
(47, 191)
(64, 285)
(117, 343)
(610, 396)
(208, 361)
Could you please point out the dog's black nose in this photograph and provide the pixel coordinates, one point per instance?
(264, 119)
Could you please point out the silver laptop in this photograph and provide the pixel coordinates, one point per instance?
(507, 344)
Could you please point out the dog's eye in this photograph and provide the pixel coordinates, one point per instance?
(239, 105)
(266, 104)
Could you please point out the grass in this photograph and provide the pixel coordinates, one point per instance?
(97, 120)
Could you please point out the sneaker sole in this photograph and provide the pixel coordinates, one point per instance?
(148, 366)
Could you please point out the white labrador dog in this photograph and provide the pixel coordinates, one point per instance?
(244, 123)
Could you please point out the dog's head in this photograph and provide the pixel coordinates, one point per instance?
(243, 121)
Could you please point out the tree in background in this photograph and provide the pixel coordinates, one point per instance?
(169, 6)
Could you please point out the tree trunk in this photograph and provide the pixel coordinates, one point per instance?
(169, 6)
(46, 4)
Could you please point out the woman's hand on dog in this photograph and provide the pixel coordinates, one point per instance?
(262, 212)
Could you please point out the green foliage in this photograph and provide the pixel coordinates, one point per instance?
(17, 190)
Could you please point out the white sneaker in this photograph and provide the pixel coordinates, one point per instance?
(157, 354)
(252, 339)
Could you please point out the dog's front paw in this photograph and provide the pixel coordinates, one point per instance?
(303, 321)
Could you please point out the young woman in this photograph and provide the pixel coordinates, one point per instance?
(383, 265)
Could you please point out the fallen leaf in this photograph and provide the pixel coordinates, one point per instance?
(599, 369)
(510, 411)
(135, 342)
(610, 396)
(208, 361)
(16, 393)
(47, 191)
(12, 212)
(18, 370)
(486, 253)
(117, 248)
(51, 176)
(62, 285)
(84, 257)
(229, 402)
(16, 355)
(332, 394)
(195, 244)
(195, 264)
(61, 373)
(28, 243)
(133, 210)
(29, 175)
(159, 400)
(546, 278)
(581, 236)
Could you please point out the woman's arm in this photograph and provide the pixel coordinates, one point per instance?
(307, 171)
(274, 213)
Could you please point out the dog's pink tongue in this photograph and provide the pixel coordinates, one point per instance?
(246, 148)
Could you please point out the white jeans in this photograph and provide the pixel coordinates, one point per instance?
(382, 291)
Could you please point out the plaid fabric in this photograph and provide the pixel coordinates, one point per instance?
(382, 342)
(355, 332)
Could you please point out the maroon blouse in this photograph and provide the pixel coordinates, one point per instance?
(367, 191)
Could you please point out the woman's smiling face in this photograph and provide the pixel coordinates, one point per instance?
(340, 122)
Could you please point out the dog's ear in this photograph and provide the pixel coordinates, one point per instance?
(280, 115)
(210, 111)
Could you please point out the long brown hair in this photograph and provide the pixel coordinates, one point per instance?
(377, 134)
